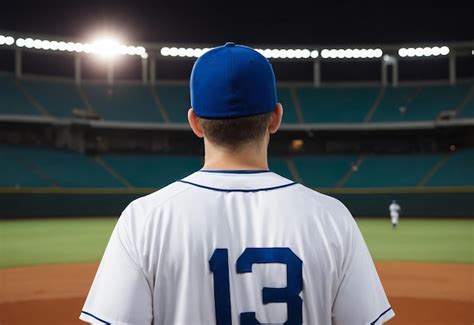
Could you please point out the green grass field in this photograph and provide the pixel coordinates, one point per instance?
(52, 241)
(421, 240)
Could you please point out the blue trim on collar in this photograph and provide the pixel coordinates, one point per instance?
(375, 321)
(236, 171)
(89, 314)
(237, 189)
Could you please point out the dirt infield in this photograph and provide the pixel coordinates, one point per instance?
(432, 294)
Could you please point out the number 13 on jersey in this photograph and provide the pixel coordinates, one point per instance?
(219, 264)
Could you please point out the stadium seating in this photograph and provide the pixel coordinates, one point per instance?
(12, 101)
(336, 105)
(392, 170)
(280, 166)
(59, 98)
(289, 110)
(16, 172)
(123, 102)
(175, 99)
(468, 110)
(49, 167)
(152, 171)
(393, 105)
(419, 103)
(134, 102)
(45, 167)
(323, 171)
(458, 170)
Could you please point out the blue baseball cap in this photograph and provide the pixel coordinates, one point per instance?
(231, 81)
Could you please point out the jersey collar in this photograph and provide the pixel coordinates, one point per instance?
(237, 180)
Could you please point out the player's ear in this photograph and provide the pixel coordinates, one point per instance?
(195, 124)
(275, 120)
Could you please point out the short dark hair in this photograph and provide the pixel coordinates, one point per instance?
(235, 132)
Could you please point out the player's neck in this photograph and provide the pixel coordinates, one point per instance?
(245, 158)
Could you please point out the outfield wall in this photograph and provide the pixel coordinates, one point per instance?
(61, 202)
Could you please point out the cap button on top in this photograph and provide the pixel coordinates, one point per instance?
(230, 44)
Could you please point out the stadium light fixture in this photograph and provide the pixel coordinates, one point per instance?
(183, 52)
(268, 53)
(104, 48)
(423, 51)
(351, 53)
(6, 40)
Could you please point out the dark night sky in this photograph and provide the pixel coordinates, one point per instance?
(293, 22)
(251, 23)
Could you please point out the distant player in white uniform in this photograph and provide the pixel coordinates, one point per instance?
(234, 243)
(394, 213)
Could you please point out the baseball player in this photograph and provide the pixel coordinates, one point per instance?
(394, 208)
(235, 243)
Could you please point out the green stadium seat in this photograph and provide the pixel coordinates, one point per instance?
(152, 170)
(175, 99)
(458, 170)
(279, 165)
(59, 98)
(289, 111)
(468, 111)
(336, 105)
(12, 100)
(392, 170)
(323, 171)
(419, 103)
(17, 172)
(125, 103)
(47, 167)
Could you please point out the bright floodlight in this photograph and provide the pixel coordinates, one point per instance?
(427, 51)
(29, 43)
(20, 42)
(267, 53)
(444, 50)
(275, 53)
(108, 47)
(174, 51)
(7, 40)
(305, 53)
(165, 51)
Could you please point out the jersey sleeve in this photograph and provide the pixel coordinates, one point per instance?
(120, 293)
(360, 298)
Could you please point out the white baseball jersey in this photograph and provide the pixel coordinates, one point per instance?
(394, 210)
(236, 247)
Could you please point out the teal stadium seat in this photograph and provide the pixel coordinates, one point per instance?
(12, 101)
(152, 171)
(390, 108)
(18, 172)
(392, 170)
(175, 99)
(336, 105)
(125, 103)
(55, 167)
(468, 110)
(323, 171)
(289, 111)
(458, 170)
(59, 98)
(279, 165)
(420, 105)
